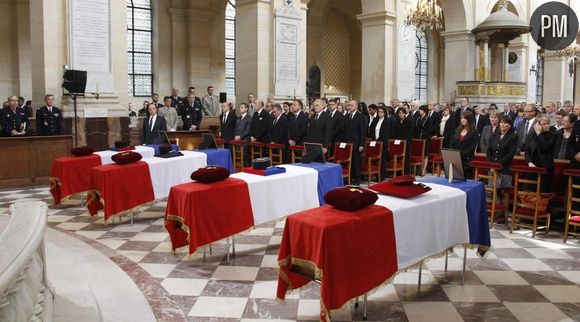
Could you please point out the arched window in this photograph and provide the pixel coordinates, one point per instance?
(540, 79)
(230, 38)
(139, 44)
(421, 49)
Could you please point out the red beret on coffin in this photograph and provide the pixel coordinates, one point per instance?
(402, 187)
(210, 174)
(80, 151)
(350, 198)
(126, 157)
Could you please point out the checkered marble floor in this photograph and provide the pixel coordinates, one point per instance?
(521, 279)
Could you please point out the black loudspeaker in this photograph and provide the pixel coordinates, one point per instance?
(75, 81)
(223, 97)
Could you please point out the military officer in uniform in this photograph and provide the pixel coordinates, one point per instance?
(191, 113)
(176, 100)
(49, 118)
(13, 119)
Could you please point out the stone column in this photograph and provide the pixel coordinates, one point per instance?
(486, 60)
(379, 59)
(178, 49)
(458, 63)
(254, 48)
(477, 69)
(24, 61)
(557, 79)
(506, 64)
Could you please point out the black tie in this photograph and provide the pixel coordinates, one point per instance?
(526, 127)
(316, 118)
(151, 123)
(224, 119)
(275, 121)
(351, 116)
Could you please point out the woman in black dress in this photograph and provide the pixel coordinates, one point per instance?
(540, 150)
(502, 148)
(465, 139)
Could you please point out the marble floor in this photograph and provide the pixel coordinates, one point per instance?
(124, 272)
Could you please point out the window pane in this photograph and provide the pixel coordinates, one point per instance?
(141, 3)
(142, 19)
(230, 29)
(230, 68)
(230, 48)
(130, 64)
(142, 85)
(143, 41)
(130, 84)
(129, 19)
(142, 63)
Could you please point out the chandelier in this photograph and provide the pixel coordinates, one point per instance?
(426, 15)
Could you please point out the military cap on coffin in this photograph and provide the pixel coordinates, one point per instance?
(210, 174)
(126, 157)
(166, 152)
(81, 151)
(350, 198)
(402, 187)
(261, 163)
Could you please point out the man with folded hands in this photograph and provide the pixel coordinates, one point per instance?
(152, 125)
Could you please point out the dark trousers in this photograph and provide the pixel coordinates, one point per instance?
(356, 166)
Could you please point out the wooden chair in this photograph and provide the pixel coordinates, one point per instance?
(434, 154)
(396, 163)
(276, 153)
(296, 153)
(529, 189)
(372, 160)
(417, 157)
(343, 156)
(255, 149)
(572, 216)
(238, 154)
(487, 172)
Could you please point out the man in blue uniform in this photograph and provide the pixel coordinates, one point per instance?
(191, 113)
(49, 118)
(13, 119)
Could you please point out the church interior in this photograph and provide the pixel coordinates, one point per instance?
(287, 160)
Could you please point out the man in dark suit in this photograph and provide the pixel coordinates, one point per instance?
(355, 133)
(13, 119)
(526, 127)
(464, 106)
(319, 129)
(261, 123)
(480, 120)
(373, 119)
(227, 123)
(279, 128)
(152, 125)
(49, 118)
(336, 124)
(510, 110)
(242, 131)
(191, 113)
(176, 100)
(298, 124)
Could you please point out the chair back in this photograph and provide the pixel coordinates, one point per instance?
(418, 148)
(397, 147)
(373, 150)
(342, 153)
(435, 145)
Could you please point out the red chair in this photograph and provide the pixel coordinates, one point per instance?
(255, 149)
(397, 150)
(482, 173)
(220, 142)
(572, 216)
(417, 157)
(276, 153)
(528, 203)
(434, 154)
(372, 160)
(296, 153)
(238, 154)
(343, 156)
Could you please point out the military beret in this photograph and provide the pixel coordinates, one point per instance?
(403, 189)
(126, 157)
(210, 174)
(82, 150)
(350, 198)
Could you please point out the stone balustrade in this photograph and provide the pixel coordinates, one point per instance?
(25, 294)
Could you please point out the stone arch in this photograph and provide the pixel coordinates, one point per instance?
(514, 8)
(456, 15)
